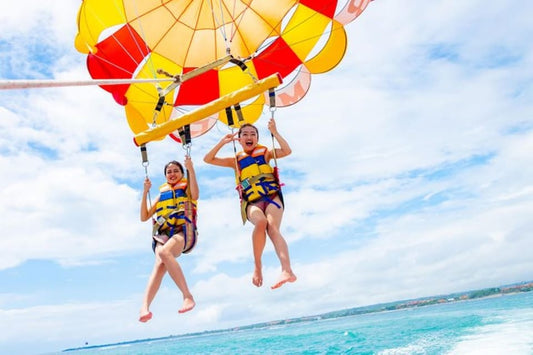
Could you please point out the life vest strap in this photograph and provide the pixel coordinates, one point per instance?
(162, 221)
(254, 179)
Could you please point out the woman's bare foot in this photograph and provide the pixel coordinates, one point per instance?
(188, 304)
(257, 278)
(145, 316)
(286, 276)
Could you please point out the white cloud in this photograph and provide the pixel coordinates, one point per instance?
(410, 175)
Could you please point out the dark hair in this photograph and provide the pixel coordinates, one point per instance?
(248, 125)
(173, 162)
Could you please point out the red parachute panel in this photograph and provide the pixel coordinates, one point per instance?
(199, 90)
(326, 8)
(277, 58)
(117, 57)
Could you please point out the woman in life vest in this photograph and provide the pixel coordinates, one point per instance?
(174, 230)
(261, 200)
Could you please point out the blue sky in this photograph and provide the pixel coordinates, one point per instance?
(411, 175)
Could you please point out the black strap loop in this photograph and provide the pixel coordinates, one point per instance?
(160, 103)
(185, 134)
(229, 115)
(240, 63)
(238, 111)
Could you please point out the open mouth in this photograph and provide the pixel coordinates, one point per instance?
(172, 178)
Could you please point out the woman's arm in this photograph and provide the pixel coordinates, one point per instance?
(284, 148)
(211, 156)
(192, 181)
(145, 212)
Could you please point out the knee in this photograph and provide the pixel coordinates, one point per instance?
(261, 224)
(160, 265)
(163, 254)
(272, 231)
(169, 252)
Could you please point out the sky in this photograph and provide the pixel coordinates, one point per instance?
(411, 175)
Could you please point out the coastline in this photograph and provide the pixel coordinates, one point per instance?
(493, 292)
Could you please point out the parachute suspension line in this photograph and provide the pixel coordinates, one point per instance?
(220, 21)
(231, 124)
(272, 99)
(180, 78)
(220, 24)
(145, 163)
(111, 64)
(237, 173)
(294, 28)
(146, 48)
(119, 43)
(186, 141)
(244, 68)
(308, 18)
(234, 24)
(118, 10)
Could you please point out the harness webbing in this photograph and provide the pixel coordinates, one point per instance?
(185, 134)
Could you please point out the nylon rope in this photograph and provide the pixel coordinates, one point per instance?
(220, 23)
(272, 111)
(145, 163)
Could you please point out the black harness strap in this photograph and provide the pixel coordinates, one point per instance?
(229, 116)
(238, 111)
(185, 134)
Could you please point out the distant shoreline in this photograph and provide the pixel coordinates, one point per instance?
(492, 292)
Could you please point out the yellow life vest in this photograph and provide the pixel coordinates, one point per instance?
(255, 179)
(172, 204)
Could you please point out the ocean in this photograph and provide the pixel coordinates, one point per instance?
(492, 325)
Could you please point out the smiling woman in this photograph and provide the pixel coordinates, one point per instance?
(380, 205)
(174, 230)
(260, 193)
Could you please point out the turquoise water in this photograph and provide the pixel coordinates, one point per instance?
(498, 325)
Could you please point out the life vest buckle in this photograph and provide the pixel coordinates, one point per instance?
(160, 220)
(245, 184)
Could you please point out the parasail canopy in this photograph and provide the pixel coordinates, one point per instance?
(247, 40)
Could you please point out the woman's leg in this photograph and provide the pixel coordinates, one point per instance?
(258, 219)
(274, 216)
(154, 282)
(168, 254)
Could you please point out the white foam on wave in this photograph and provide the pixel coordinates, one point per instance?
(420, 346)
(513, 336)
(404, 350)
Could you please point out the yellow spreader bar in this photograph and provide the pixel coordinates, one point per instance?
(209, 109)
